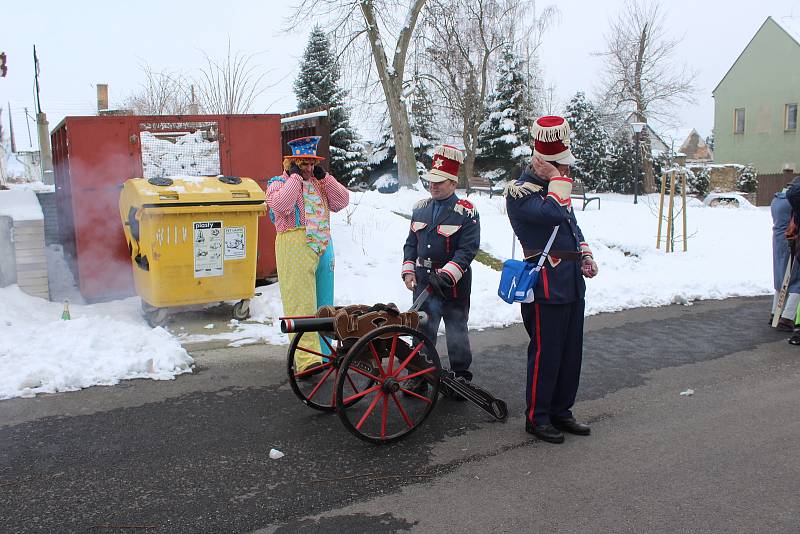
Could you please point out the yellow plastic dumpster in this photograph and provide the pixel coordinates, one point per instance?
(193, 240)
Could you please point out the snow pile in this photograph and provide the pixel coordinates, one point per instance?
(101, 345)
(190, 154)
(20, 204)
(41, 353)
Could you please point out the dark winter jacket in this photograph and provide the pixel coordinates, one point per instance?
(447, 244)
(533, 215)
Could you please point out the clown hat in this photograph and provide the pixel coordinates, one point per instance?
(304, 148)
(551, 140)
(446, 162)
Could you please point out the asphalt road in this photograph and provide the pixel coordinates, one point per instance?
(191, 455)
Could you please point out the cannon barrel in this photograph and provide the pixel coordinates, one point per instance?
(315, 324)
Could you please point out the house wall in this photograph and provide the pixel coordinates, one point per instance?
(763, 80)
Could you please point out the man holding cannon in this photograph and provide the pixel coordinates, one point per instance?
(537, 204)
(443, 239)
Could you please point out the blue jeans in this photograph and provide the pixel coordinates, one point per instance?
(455, 315)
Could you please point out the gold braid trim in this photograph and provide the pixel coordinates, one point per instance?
(519, 191)
(422, 203)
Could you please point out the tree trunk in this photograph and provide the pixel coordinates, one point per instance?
(649, 185)
(391, 77)
(406, 163)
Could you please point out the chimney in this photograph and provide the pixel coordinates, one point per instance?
(102, 98)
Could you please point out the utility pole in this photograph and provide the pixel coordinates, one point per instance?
(11, 130)
(43, 130)
(28, 123)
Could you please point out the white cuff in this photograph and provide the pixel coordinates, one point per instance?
(453, 270)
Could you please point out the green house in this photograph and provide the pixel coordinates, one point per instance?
(755, 104)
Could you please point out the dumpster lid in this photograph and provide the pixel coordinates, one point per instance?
(194, 190)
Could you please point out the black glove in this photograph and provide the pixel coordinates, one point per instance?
(441, 284)
(294, 169)
(319, 172)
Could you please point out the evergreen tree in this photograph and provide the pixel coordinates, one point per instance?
(698, 182)
(504, 138)
(384, 155)
(748, 179)
(318, 85)
(421, 122)
(622, 165)
(590, 143)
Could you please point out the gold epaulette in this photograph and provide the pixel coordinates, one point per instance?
(519, 191)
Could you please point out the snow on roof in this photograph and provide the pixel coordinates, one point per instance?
(20, 205)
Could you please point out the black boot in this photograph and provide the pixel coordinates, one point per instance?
(547, 433)
(572, 426)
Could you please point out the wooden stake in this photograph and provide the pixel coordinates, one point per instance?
(683, 194)
(661, 208)
(671, 215)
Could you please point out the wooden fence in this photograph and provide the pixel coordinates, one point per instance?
(769, 184)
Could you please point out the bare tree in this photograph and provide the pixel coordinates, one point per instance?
(231, 84)
(354, 23)
(641, 76)
(462, 39)
(162, 93)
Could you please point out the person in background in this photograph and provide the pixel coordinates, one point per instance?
(444, 237)
(781, 252)
(300, 202)
(537, 203)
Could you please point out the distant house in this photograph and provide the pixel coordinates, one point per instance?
(695, 148)
(657, 145)
(755, 103)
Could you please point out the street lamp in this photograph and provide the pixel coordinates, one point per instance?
(637, 130)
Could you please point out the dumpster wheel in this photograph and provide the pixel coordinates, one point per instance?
(241, 310)
(156, 316)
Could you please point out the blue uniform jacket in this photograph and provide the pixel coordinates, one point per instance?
(533, 215)
(449, 243)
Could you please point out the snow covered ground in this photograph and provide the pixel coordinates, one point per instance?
(729, 254)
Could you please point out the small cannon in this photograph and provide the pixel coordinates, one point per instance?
(379, 373)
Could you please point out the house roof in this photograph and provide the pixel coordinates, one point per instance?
(790, 26)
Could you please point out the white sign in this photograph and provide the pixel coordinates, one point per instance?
(207, 249)
(235, 242)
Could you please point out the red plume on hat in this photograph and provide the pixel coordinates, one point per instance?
(551, 140)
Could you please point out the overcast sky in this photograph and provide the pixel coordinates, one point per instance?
(81, 43)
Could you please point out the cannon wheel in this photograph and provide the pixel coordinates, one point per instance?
(390, 411)
(317, 387)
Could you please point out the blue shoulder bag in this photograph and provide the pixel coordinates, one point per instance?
(518, 278)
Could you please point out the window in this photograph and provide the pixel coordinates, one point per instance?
(790, 120)
(738, 121)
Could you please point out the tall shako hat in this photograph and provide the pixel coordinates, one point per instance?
(551, 140)
(304, 148)
(446, 162)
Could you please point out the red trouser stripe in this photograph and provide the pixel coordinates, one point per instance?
(536, 363)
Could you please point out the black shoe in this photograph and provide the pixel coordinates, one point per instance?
(785, 325)
(547, 433)
(795, 339)
(572, 426)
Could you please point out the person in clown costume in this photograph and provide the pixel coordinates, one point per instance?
(300, 202)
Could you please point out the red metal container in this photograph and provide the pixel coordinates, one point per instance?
(94, 156)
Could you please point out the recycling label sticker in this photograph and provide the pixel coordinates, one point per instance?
(235, 242)
(208, 249)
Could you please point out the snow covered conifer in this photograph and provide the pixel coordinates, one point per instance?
(504, 138)
(622, 165)
(421, 122)
(590, 143)
(318, 85)
(748, 179)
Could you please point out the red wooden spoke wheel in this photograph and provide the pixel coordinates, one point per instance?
(316, 387)
(404, 368)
